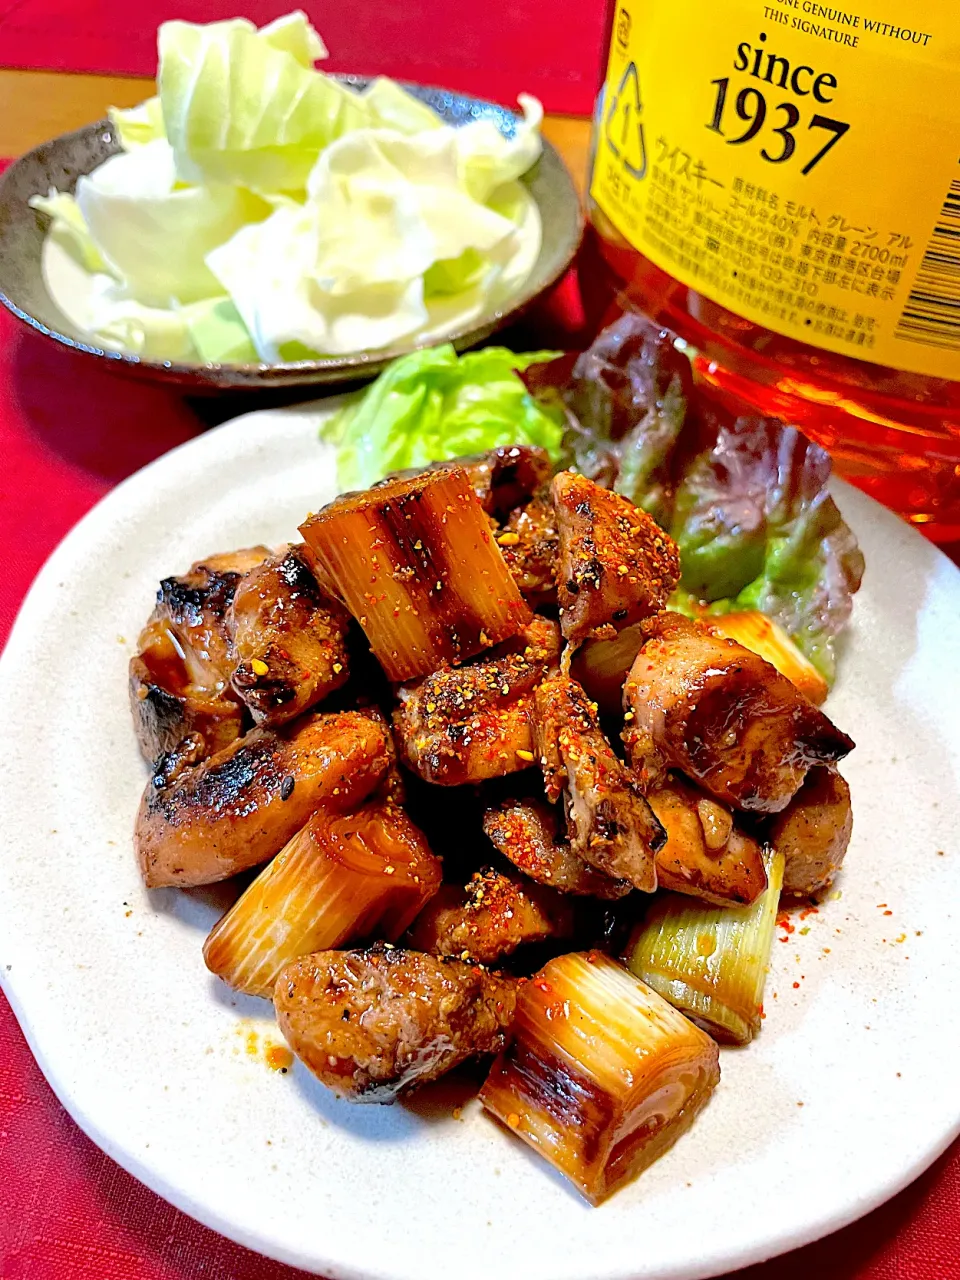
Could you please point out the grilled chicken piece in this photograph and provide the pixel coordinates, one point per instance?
(609, 822)
(180, 675)
(527, 832)
(722, 715)
(529, 543)
(616, 565)
(502, 478)
(465, 724)
(490, 918)
(705, 855)
(416, 564)
(377, 1023)
(813, 832)
(240, 807)
(289, 639)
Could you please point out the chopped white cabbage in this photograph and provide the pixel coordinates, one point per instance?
(69, 228)
(261, 210)
(139, 125)
(154, 234)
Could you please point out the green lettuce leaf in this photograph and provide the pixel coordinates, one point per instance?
(432, 405)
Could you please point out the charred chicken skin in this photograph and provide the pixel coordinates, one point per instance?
(180, 675)
(289, 639)
(813, 832)
(381, 1022)
(469, 723)
(490, 918)
(609, 821)
(723, 716)
(240, 807)
(528, 833)
(616, 565)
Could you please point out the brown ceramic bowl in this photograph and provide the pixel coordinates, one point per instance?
(62, 161)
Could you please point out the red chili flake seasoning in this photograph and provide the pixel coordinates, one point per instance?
(809, 911)
(796, 985)
(888, 913)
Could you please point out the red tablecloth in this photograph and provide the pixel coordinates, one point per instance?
(552, 48)
(68, 432)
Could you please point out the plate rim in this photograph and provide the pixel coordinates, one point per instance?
(771, 1245)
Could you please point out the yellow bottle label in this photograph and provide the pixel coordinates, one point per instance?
(797, 163)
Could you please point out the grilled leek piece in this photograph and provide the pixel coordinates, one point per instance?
(415, 562)
(342, 878)
(710, 962)
(763, 636)
(602, 666)
(602, 1075)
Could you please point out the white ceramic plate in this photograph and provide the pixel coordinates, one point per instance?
(848, 1094)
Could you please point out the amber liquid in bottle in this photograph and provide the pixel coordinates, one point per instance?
(896, 435)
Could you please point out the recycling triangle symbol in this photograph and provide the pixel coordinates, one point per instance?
(624, 127)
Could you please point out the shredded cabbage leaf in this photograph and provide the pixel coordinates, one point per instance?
(330, 221)
(155, 234)
(432, 405)
(240, 109)
(69, 228)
